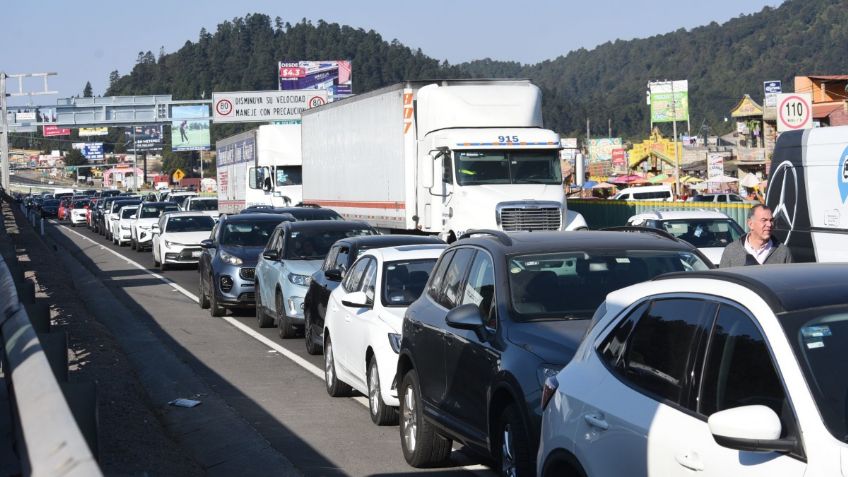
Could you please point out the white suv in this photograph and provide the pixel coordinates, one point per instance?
(737, 372)
(120, 223)
(708, 230)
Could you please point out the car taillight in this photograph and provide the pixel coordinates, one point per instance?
(548, 390)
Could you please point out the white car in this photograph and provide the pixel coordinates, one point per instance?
(177, 236)
(207, 205)
(363, 322)
(79, 208)
(179, 197)
(736, 372)
(120, 223)
(141, 228)
(708, 230)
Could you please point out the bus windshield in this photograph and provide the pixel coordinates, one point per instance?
(507, 167)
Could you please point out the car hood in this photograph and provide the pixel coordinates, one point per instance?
(249, 255)
(146, 222)
(303, 267)
(554, 341)
(186, 238)
(713, 253)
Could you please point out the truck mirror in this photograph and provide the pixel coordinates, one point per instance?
(427, 170)
(266, 184)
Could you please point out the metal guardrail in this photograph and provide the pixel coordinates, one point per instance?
(52, 443)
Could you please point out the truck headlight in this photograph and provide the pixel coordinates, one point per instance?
(231, 259)
(302, 280)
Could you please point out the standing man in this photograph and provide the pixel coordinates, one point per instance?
(756, 247)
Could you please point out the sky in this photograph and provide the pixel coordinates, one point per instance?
(84, 40)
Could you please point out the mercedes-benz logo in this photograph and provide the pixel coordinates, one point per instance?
(786, 205)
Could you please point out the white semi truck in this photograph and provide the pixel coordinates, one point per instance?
(259, 167)
(440, 157)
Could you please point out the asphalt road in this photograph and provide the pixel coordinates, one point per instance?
(272, 383)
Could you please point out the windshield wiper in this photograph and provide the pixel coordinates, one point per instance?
(535, 181)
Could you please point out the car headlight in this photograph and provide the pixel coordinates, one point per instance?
(394, 341)
(169, 244)
(302, 280)
(231, 259)
(125, 227)
(546, 371)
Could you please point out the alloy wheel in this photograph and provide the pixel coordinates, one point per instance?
(409, 419)
(507, 453)
(374, 389)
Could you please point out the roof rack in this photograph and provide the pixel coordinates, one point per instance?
(308, 204)
(645, 230)
(501, 236)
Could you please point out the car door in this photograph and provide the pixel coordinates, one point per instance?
(265, 272)
(157, 238)
(340, 315)
(649, 357)
(471, 360)
(204, 267)
(358, 324)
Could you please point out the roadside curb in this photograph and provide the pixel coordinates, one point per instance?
(218, 438)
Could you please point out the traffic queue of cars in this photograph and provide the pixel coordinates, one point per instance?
(547, 352)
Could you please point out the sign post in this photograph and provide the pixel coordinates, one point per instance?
(794, 111)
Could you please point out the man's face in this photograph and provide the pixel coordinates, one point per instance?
(761, 224)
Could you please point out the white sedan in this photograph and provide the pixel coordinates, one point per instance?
(177, 236)
(120, 223)
(364, 321)
(141, 228)
(736, 372)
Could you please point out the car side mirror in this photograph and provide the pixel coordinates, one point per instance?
(753, 428)
(271, 255)
(207, 244)
(356, 299)
(334, 275)
(466, 317)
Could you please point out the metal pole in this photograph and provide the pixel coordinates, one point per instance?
(4, 142)
(201, 165)
(674, 129)
(135, 161)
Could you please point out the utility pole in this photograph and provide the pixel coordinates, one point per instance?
(674, 129)
(4, 122)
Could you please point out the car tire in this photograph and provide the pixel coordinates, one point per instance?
(381, 413)
(163, 266)
(262, 318)
(422, 446)
(286, 329)
(335, 387)
(308, 337)
(512, 449)
(203, 300)
(132, 244)
(215, 308)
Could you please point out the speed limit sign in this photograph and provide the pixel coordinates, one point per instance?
(794, 111)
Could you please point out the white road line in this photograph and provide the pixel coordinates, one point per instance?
(311, 368)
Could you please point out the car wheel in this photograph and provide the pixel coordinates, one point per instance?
(155, 262)
(335, 387)
(203, 299)
(132, 244)
(162, 265)
(381, 414)
(512, 445)
(422, 446)
(309, 336)
(215, 308)
(262, 318)
(286, 329)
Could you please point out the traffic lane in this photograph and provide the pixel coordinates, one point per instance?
(286, 403)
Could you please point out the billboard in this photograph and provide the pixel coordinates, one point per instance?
(264, 106)
(188, 133)
(143, 138)
(770, 91)
(333, 76)
(93, 151)
(601, 150)
(669, 101)
(715, 166)
(85, 132)
(50, 131)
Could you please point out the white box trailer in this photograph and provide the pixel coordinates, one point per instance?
(259, 167)
(438, 157)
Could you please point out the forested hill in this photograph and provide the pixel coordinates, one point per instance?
(721, 62)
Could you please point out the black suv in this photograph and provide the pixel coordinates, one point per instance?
(500, 313)
(339, 259)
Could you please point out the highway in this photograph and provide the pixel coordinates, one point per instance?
(273, 384)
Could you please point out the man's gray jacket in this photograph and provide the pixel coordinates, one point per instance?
(735, 255)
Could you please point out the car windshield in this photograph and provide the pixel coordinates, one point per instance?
(507, 167)
(204, 204)
(571, 285)
(154, 211)
(191, 223)
(314, 244)
(126, 212)
(81, 204)
(704, 232)
(178, 199)
(403, 282)
(51, 203)
(819, 338)
(289, 175)
(247, 234)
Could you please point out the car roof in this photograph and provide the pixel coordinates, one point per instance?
(326, 225)
(681, 214)
(186, 213)
(407, 252)
(257, 218)
(785, 287)
(159, 204)
(380, 241)
(542, 242)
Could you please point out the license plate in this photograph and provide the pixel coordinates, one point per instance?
(195, 254)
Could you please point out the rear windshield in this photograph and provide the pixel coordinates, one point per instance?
(154, 211)
(126, 212)
(571, 285)
(205, 204)
(315, 214)
(80, 204)
(314, 244)
(247, 234)
(194, 223)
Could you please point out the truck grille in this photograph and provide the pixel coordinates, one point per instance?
(529, 216)
(247, 273)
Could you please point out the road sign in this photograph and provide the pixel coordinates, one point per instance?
(794, 111)
(178, 175)
(264, 106)
(770, 91)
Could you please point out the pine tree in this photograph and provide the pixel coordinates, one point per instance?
(86, 92)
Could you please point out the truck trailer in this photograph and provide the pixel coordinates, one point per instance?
(259, 167)
(439, 157)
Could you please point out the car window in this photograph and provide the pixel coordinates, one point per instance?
(735, 198)
(654, 349)
(721, 198)
(313, 244)
(352, 279)
(403, 282)
(738, 370)
(480, 288)
(330, 259)
(190, 223)
(274, 240)
(342, 259)
(369, 281)
(439, 275)
(451, 295)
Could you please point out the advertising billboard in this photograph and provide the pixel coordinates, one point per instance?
(93, 151)
(50, 131)
(85, 132)
(332, 76)
(715, 166)
(669, 101)
(143, 138)
(601, 150)
(188, 133)
(264, 106)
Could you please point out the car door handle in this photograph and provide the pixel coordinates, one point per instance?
(690, 460)
(596, 421)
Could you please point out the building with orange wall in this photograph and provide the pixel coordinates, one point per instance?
(830, 97)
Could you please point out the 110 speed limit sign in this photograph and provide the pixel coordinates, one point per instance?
(794, 111)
